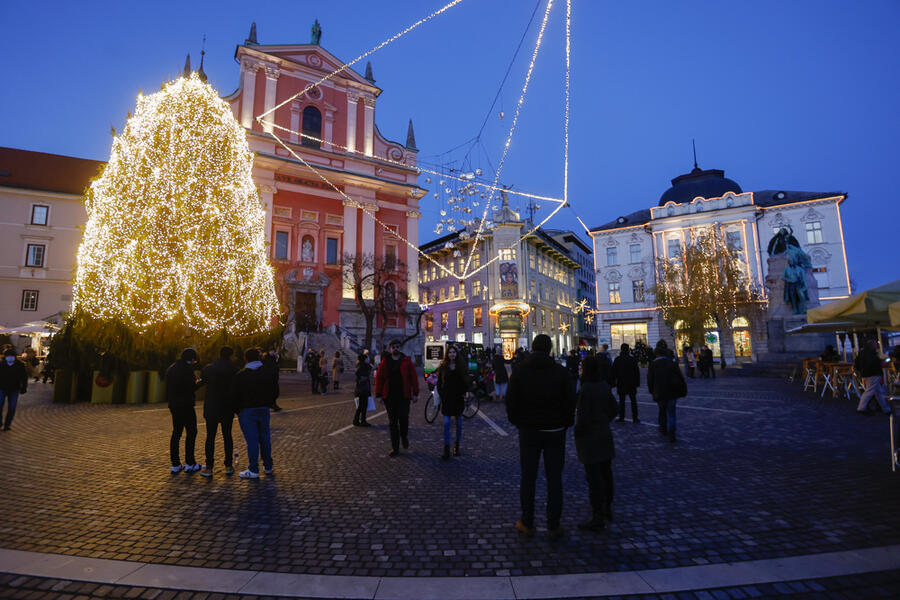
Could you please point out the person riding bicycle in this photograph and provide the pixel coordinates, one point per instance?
(453, 388)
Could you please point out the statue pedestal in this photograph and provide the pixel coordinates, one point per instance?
(780, 318)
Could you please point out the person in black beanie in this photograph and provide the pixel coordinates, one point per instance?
(181, 383)
(540, 402)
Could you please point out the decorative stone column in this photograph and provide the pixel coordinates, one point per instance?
(368, 239)
(295, 122)
(329, 129)
(349, 243)
(352, 97)
(412, 254)
(369, 125)
(272, 73)
(248, 91)
(267, 196)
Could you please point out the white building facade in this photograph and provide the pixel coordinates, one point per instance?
(627, 251)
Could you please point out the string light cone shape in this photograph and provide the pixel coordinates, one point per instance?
(175, 234)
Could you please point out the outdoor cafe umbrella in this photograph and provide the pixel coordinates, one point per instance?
(877, 308)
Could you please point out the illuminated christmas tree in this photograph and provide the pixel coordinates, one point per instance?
(174, 245)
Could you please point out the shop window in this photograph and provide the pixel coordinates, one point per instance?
(627, 333)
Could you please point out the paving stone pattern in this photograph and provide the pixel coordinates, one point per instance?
(885, 584)
(761, 471)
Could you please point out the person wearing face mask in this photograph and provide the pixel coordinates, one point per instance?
(181, 383)
(396, 384)
(13, 381)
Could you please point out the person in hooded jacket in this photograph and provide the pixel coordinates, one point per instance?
(595, 408)
(255, 390)
(540, 402)
(181, 383)
(218, 408)
(453, 388)
(627, 377)
(13, 383)
(666, 384)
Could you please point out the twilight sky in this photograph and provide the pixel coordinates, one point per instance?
(799, 95)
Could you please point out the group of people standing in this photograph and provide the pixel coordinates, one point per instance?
(701, 360)
(317, 364)
(249, 392)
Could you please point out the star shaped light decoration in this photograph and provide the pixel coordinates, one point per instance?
(564, 327)
(588, 319)
(581, 306)
(266, 120)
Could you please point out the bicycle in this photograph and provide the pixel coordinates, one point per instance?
(432, 409)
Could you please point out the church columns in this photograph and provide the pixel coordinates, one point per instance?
(412, 254)
(295, 122)
(272, 73)
(267, 197)
(368, 239)
(352, 97)
(329, 130)
(369, 125)
(349, 242)
(248, 92)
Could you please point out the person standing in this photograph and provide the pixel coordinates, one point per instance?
(453, 388)
(689, 361)
(312, 365)
(595, 408)
(181, 383)
(605, 364)
(323, 372)
(627, 377)
(255, 392)
(13, 383)
(271, 366)
(218, 409)
(666, 385)
(572, 364)
(868, 365)
(363, 390)
(540, 403)
(501, 377)
(337, 367)
(396, 384)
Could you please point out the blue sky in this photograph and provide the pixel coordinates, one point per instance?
(798, 95)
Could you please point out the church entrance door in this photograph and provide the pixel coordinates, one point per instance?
(305, 311)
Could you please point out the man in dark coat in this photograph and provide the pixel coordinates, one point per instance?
(627, 377)
(869, 367)
(180, 387)
(219, 408)
(13, 382)
(501, 377)
(312, 365)
(397, 383)
(272, 366)
(540, 402)
(255, 392)
(573, 360)
(666, 384)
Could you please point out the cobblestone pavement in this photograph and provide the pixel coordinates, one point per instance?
(884, 584)
(761, 471)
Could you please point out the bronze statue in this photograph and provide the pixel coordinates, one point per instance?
(782, 240)
(316, 33)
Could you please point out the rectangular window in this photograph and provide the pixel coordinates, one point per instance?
(637, 289)
(34, 256)
(478, 337)
(476, 288)
(635, 250)
(460, 319)
(443, 294)
(462, 289)
(614, 297)
(452, 293)
(39, 214)
(674, 248)
(543, 318)
(531, 259)
(612, 257)
(461, 337)
(429, 322)
(476, 260)
(390, 257)
(814, 232)
(507, 254)
(628, 333)
(331, 251)
(476, 316)
(445, 321)
(733, 239)
(281, 245)
(29, 299)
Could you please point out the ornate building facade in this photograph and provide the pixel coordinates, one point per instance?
(530, 289)
(313, 226)
(627, 251)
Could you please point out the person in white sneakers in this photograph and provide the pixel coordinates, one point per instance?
(181, 383)
(255, 394)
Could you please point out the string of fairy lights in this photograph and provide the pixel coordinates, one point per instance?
(489, 190)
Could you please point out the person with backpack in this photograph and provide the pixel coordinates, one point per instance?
(666, 384)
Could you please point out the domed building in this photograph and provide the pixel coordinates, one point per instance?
(628, 248)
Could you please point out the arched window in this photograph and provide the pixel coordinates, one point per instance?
(740, 322)
(312, 125)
